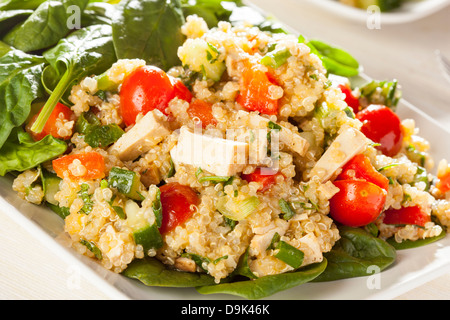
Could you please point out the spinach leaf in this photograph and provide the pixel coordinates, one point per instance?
(20, 152)
(354, 253)
(335, 60)
(87, 51)
(408, 244)
(20, 4)
(268, 285)
(20, 85)
(4, 49)
(45, 27)
(152, 272)
(10, 18)
(97, 13)
(149, 30)
(212, 11)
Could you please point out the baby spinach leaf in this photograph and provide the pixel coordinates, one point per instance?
(354, 253)
(20, 152)
(149, 30)
(20, 4)
(45, 27)
(152, 272)
(10, 18)
(87, 51)
(267, 285)
(20, 85)
(97, 13)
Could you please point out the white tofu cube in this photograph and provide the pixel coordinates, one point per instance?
(146, 133)
(218, 156)
(347, 144)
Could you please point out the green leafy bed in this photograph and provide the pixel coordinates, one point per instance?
(41, 59)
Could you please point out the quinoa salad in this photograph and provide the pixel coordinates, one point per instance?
(249, 159)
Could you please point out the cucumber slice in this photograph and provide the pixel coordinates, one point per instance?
(202, 57)
(145, 229)
(50, 186)
(237, 209)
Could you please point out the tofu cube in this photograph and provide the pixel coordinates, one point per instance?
(347, 144)
(146, 133)
(218, 156)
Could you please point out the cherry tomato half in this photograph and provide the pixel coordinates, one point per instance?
(357, 203)
(145, 89)
(266, 178)
(406, 215)
(350, 99)
(360, 168)
(383, 126)
(60, 112)
(177, 201)
(180, 90)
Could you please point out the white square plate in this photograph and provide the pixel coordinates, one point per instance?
(409, 11)
(413, 267)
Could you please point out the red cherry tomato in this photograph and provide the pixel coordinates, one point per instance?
(62, 112)
(350, 99)
(357, 203)
(181, 91)
(266, 178)
(202, 110)
(177, 201)
(145, 89)
(406, 215)
(255, 90)
(383, 126)
(360, 168)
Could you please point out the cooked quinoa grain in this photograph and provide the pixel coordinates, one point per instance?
(229, 213)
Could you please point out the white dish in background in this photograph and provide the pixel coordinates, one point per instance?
(408, 12)
(412, 268)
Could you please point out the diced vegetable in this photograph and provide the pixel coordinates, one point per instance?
(178, 205)
(350, 99)
(276, 58)
(126, 181)
(406, 215)
(95, 134)
(145, 229)
(359, 167)
(201, 110)
(266, 177)
(383, 126)
(255, 93)
(381, 92)
(235, 209)
(201, 56)
(288, 254)
(50, 186)
(80, 166)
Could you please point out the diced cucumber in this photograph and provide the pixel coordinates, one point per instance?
(145, 229)
(235, 209)
(50, 186)
(126, 182)
(201, 56)
(104, 83)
